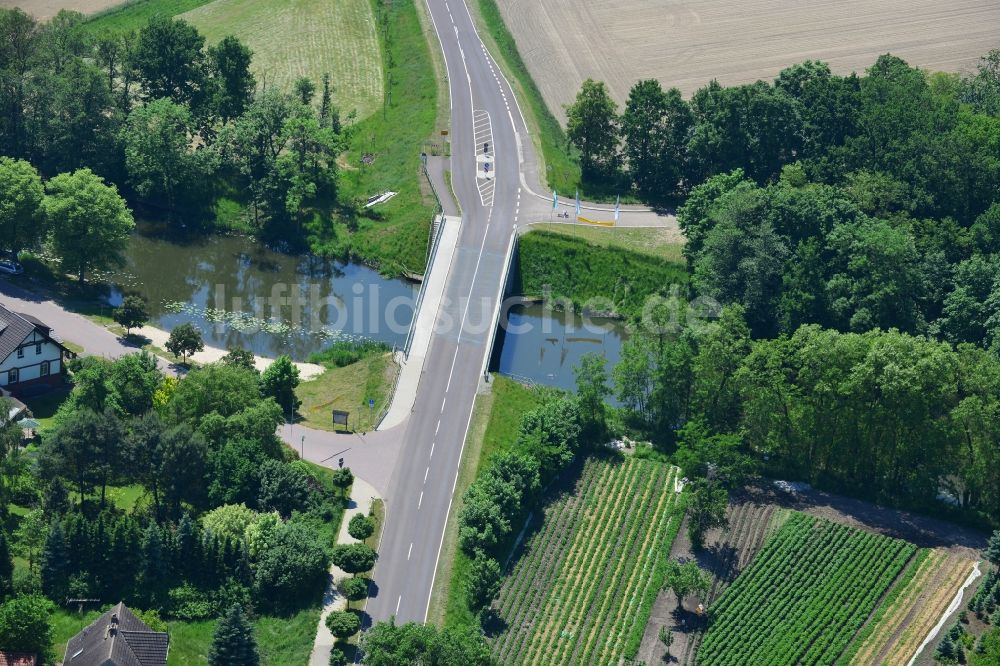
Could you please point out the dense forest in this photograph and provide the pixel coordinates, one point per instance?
(848, 227)
(902, 139)
(182, 130)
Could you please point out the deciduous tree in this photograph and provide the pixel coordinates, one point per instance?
(90, 221)
(132, 313)
(592, 126)
(21, 195)
(185, 340)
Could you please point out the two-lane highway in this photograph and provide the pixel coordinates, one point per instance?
(424, 479)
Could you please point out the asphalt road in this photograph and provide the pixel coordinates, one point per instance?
(425, 473)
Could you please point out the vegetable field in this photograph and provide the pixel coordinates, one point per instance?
(582, 589)
(804, 597)
(911, 609)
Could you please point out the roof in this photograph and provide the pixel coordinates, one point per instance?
(117, 638)
(15, 327)
(17, 659)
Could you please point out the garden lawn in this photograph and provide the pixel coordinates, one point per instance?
(348, 388)
(296, 38)
(43, 408)
(283, 641)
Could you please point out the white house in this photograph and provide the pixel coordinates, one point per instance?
(29, 355)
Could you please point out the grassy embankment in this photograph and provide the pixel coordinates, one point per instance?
(348, 383)
(281, 640)
(584, 270)
(496, 418)
(394, 235)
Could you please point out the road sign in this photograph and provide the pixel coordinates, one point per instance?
(371, 403)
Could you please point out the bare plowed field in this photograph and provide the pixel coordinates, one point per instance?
(686, 44)
(44, 9)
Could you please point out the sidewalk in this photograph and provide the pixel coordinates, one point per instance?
(436, 168)
(362, 495)
(423, 326)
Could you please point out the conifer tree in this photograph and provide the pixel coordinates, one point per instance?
(55, 564)
(234, 643)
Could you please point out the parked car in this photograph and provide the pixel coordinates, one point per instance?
(10, 267)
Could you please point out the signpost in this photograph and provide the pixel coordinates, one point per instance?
(340, 418)
(371, 412)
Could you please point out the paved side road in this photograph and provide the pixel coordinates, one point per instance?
(68, 326)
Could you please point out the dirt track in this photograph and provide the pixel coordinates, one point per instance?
(43, 9)
(686, 44)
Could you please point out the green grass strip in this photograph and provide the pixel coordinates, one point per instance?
(562, 171)
(135, 14)
(579, 271)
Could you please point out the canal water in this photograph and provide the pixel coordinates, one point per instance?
(544, 346)
(240, 293)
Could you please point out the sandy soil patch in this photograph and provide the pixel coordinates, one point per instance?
(159, 337)
(687, 43)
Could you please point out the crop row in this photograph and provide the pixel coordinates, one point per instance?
(587, 578)
(531, 578)
(580, 576)
(804, 597)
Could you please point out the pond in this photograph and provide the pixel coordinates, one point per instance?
(544, 346)
(240, 293)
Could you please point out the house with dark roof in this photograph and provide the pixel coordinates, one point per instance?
(8, 658)
(117, 638)
(29, 352)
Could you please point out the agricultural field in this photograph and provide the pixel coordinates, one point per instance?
(687, 44)
(805, 595)
(581, 590)
(913, 607)
(45, 9)
(295, 38)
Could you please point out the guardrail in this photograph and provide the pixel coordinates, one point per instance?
(436, 241)
(504, 284)
(384, 410)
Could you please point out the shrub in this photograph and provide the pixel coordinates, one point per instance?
(355, 589)
(343, 624)
(189, 603)
(361, 526)
(354, 558)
